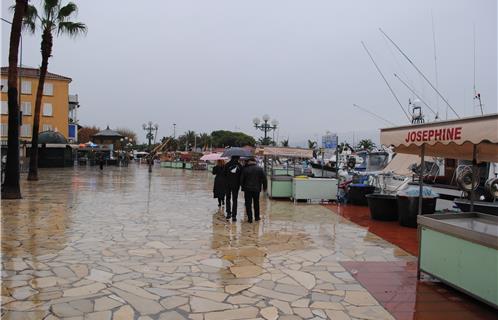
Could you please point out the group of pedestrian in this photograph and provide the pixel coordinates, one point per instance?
(233, 176)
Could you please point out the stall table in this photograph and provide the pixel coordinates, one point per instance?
(461, 250)
(280, 187)
(177, 165)
(304, 188)
(166, 164)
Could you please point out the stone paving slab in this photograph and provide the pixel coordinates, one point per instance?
(123, 244)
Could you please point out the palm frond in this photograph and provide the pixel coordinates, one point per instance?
(49, 6)
(72, 29)
(66, 11)
(30, 17)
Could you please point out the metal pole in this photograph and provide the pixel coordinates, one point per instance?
(323, 155)
(474, 169)
(421, 178)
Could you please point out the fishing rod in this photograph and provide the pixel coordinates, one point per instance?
(420, 72)
(417, 95)
(373, 114)
(385, 80)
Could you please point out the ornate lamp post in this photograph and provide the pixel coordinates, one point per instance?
(266, 127)
(124, 143)
(151, 131)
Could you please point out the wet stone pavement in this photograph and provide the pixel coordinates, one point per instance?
(120, 244)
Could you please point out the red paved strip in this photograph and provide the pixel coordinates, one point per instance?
(391, 231)
(395, 286)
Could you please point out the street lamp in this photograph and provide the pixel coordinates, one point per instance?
(266, 126)
(151, 132)
(124, 143)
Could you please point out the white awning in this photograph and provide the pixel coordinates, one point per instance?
(448, 139)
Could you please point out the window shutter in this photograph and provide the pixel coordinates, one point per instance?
(47, 109)
(5, 107)
(5, 85)
(48, 89)
(26, 87)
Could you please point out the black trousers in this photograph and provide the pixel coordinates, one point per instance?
(232, 195)
(252, 197)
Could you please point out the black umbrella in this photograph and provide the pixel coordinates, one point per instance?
(237, 152)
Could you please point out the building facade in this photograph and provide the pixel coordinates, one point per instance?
(55, 106)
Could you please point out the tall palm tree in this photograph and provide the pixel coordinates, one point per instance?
(190, 137)
(311, 144)
(204, 140)
(55, 18)
(285, 143)
(366, 144)
(11, 188)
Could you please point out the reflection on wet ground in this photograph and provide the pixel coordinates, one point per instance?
(121, 244)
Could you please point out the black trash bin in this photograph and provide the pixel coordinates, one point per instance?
(357, 193)
(408, 209)
(383, 206)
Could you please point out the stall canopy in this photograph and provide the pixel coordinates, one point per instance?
(288, 152)
(453, 139)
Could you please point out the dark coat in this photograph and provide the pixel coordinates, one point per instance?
(219, 188)
(253, 178)
(232, 171)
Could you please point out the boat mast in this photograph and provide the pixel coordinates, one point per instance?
(477, 96)
(435, 67)
(420, 72)
(385, 80)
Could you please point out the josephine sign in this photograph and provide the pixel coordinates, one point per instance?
(443, 134)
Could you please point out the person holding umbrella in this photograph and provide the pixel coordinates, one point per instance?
(219, 187)
(232, 172)
(252, 178)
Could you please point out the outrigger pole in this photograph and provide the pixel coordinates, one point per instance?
(420, 72)
(416, 94)
(373, 114)
(385, 80)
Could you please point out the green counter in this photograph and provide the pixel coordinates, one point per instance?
(461, 250)
(177, 165)
(187, 165)
(280, 187)
(166, 164)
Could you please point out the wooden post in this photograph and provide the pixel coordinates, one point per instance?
(474, 169)
(421, 178)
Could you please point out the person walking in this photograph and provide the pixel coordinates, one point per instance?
(252, 178)
(219, 187)
(232, 172)
(101, 161)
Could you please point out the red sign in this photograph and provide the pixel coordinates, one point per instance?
(443, 134)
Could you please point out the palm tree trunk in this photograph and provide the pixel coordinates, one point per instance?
(11, 188)
(46, 51)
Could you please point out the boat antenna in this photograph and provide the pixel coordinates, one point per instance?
(435, 65)
(385, 80)
(373, 114)
(417, 95)
(420, 72)
(477, 96)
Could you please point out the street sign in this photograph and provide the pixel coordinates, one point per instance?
(329, 141)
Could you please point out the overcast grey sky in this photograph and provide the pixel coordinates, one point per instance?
(208, 65)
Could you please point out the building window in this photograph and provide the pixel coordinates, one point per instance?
(48, 89)
(26, 108)
(26, 130)
(47, 109)
(5, 85)
(5, 107)
(4, 129)
(26, 87)
(47, 127)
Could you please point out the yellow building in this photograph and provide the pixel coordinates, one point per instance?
(54, 112)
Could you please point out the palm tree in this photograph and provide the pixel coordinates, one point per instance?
(204, 140)
(311, 144)
(366, 144)
(343, 146)
(285, 143)
(54, 19)
(11, 188)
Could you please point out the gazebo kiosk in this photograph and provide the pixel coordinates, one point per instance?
(107, 138)
(459, 249)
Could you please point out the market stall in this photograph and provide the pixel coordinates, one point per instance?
(280, 178)
(451, 247)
